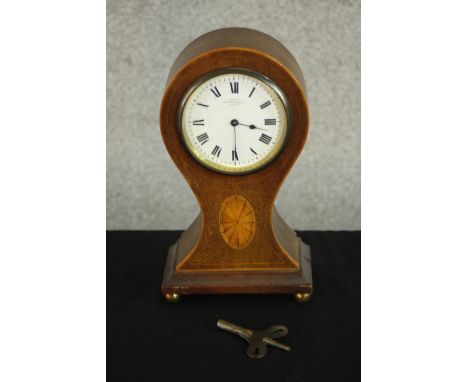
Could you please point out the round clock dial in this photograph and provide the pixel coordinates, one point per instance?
(234, 122)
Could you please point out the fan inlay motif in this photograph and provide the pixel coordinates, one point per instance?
(237, 222)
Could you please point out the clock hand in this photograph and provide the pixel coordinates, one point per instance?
(235, 140)
(234, 123)
(253, 127)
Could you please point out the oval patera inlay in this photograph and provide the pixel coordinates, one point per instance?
(237, 221)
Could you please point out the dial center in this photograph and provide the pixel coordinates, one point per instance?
(234, 122)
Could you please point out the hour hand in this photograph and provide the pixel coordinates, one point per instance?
(257, 128)
(251, 127)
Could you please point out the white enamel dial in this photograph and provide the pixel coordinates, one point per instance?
(234, 122)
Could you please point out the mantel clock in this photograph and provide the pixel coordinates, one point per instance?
(234, 119)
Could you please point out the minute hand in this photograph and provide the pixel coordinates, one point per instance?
(252, 127)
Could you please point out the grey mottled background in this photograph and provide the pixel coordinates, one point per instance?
(145, 189)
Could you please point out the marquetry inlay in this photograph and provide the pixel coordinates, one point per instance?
(237, 221)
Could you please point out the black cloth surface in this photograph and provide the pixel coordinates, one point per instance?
(150, 340)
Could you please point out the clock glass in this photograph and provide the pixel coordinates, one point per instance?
(234, 122)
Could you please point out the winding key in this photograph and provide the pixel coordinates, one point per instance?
(257, 339)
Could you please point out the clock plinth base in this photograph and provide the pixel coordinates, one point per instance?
(297, 282)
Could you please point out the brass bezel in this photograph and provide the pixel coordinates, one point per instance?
(246, 169)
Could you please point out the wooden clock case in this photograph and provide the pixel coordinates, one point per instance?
(274, 259)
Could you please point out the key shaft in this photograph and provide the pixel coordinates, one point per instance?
(239, 330)
(277, 344)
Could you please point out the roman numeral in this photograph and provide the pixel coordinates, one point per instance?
(234, 155)
(199, 122)
(216, 92)
(264, 105)
(234, 87)
(202, 104)
(251, 149)
(271, 121)
(265, 139)
(216, 151)
(203, 138)
(253, 89)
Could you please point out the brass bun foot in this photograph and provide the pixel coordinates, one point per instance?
(171, 297)
(302, 298)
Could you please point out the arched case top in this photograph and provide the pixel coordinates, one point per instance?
(239, 38)
(235, 48)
